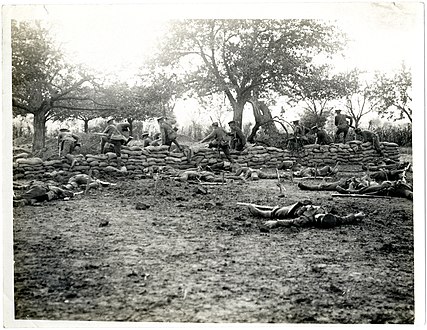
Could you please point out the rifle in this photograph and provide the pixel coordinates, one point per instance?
(268, 208)
(100, 134)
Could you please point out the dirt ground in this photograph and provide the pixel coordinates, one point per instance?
(194, 257)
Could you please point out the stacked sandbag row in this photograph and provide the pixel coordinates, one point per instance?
(30, 168)
(259, 156)
(137, 159)
(353, 152)
(390, 150)
(204, 157)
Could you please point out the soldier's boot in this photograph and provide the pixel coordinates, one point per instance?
(260, 213)
(351, 218)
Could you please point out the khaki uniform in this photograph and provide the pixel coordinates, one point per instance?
(302, 215)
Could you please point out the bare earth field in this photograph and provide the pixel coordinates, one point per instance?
(194, 257)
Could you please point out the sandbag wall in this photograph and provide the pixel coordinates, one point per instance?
(137, 159)
(353, 152)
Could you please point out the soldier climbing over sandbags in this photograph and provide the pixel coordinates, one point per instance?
(67, 145)
(302, 214)
(368, 136)
(169, 134)
(219, 140)
(117, 136)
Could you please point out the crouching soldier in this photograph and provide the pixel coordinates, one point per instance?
(238, 139)
(321, 136)
(302, 214)
(219, 139)
(368, 136)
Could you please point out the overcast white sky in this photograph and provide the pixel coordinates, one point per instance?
(118, 37)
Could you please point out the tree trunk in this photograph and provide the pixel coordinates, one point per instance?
(39, 123)
(263, 118)
(130, 121)
(86, 125)
(238, 112)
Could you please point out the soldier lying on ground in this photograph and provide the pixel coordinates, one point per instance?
(302, 214)
(387, 164)
(79, 180)
(256, 174)
(310, 171)
(388, 175)
(39, 191)
(386, 188)
(363, 185)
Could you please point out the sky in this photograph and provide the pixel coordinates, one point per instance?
(117, 38)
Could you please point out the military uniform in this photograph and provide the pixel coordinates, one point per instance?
(303, 215)
(342, 124)
(372, 137)
(219, 140)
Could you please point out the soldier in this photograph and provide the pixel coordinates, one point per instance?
(323, 171)
(168, 134)
(219, 140)
(322, 137)
(299, 139)
(302, 214)
(39, 191)
(157, 140)
(368, 136)
(146, 139)
(364, 185)
(397, 188)
(238, 139)
(115, 135)
(342, 124)
(67, 144)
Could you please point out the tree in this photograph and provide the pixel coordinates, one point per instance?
(245, 59)
(358, 100)
(153, 95)
(216, 108)
(42, 82)
(391, 94)
(316, 88)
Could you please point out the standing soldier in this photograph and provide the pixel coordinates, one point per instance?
(238, 139)
(219, 140)
(342, 124)
(368, 136)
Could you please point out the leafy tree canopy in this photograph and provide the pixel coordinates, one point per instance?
(246, 58)
(392, 94)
